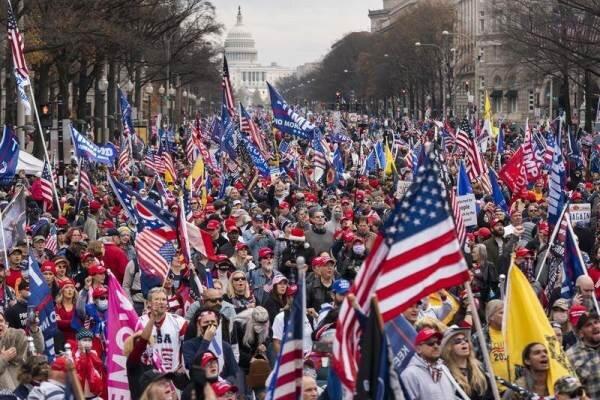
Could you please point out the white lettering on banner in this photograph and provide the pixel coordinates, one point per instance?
(119, 375)
(466, 204)
(580, 212)
(118, 394)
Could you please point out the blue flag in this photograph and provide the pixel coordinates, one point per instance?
(9, 155)
(380, 154)
(573, 263)
(370, 162)
(215, 131)
(42, 303)
(228, 139)
(574, 150)
(338, 163)
(88, 150)
(143, 213)
(126, 114)
(286, 119)
(400, 339)
(556, 184)
(257, 159)
(464, 184)
(500, 143)
(497, 195)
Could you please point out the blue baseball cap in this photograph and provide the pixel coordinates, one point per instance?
(340, 286)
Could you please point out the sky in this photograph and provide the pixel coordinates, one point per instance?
(292, 32)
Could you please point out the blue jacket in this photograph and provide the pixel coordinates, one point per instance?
(194, 348)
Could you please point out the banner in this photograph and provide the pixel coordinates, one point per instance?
(468, 209)
(580, 212)
(14, 219)
(513, 174)
(257, 159)
(42, 303)
(121, 323)
(9, 154)
(90, 151)
(286, 119)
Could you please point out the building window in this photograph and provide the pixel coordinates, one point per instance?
(244, 76)
(496, 104)
(513, 103)
(482, 82)
(481, 25)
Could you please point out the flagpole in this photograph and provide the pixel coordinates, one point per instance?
(41, 130)
(551, 240)
(585, 271)
(486, 356)
(3, 240)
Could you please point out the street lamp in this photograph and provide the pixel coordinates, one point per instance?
(128, 86)
(149, 91)
(103, 87)
(161, 92)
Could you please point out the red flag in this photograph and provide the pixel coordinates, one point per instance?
(513, 172)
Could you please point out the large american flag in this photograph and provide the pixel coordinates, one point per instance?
(153, 161)
(247, 125)
(17, 45)
(191, 149)
(416, 253)
(52, 241)
(227, 89)
(285, 383)
(46, 185)
(85, 186)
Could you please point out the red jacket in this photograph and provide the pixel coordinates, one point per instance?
(91, 371)
(36, 190)
(116, 260)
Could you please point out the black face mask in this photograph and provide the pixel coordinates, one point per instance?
(318, 230)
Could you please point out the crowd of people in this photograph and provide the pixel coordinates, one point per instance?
(263, 232)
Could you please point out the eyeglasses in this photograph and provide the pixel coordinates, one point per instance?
(318, 216)
(239, 278)
(267, 258)
(102, 298)
(432, 343)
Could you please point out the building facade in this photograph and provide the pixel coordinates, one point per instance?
(383, 18)
(248, 77)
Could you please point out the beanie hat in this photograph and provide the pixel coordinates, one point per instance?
(492, 307)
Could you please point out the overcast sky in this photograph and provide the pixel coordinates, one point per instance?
(292, 32)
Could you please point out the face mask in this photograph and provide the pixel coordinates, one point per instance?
(102, 305)
(259, 328)
(560, 317)
(337, 215)
(176, 284)
(359, 249)
(85, 345)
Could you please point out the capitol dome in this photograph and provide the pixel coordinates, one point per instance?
(239, 44)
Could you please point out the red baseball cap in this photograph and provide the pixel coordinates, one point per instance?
(95, 205)
(483, 233)
(99, 292)
(96, 269)
(66, 282)
(48, 266)
(576, 311)
(59, 364)
(108, 224)
(206, 357)
(62, 221)
(495, 221)
(212, 225)
(223, 387)
(426, 334)
(522, 252)
(284, 204)
(264, 252)
(240, 246)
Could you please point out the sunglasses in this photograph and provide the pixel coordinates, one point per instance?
(102, 298)
(267, 257)
(432, 343)
(460, 340)
(239, 278)
(215, 300)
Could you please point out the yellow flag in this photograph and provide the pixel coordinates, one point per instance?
(435, 300)
(487, 107)
(525, 322)
(390, 165)
(197, 173)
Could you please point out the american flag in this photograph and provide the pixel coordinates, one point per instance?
(52, 241)
(247, 125)
(416, 253)
(191, 150)
(152, 242)
(85, 186)
(169, 166)
(46, 185)
(17, 44)
(227, 89)
(124, 163)
(285, 382)
(153, 161)
(458, 219)
(319, 150)
(549, 151)
(476, 165)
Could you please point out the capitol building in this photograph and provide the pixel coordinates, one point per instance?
(248, 77)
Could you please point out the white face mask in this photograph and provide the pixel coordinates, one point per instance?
(359, 249)
(102, 305)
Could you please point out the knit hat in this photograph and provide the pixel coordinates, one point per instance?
(84, 334)
(492, 307)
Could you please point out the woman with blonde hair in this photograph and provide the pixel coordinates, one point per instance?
(238, 292)
(457, 352)
(66, 301)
